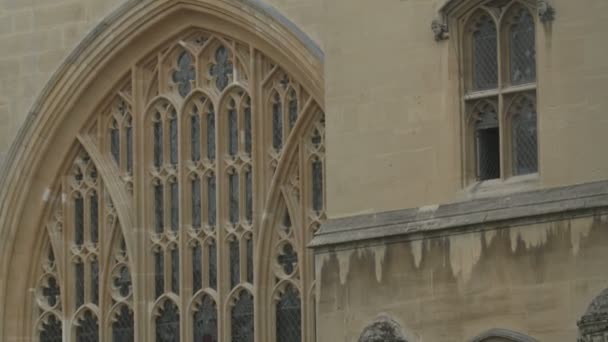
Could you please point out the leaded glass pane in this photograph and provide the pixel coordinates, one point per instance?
(232, 132)
(195, 137)
(167, 323)
(235, 275)
(129, 133)
(211, 201)
(159, 273)
(174, 206)
(233, 185)
(87, 329)
(248, 196)
(222, 70)
(94, 217)
(123, 281)
(289, 317)
(51, 291)
(175, 270)
(197, 272)
(79, 283)
(79, 220)
(288, 259)
(211, 136)
(524, 139)
(277, 122)
(196, 203)
(287, 222)
(293, 108)
(159, 215)
(95, 281)
(317, 185)
(212, 266)
(205, 321)
(158, 143)
(185, 73)
(485, 58)
(173, 139)
(242, 319)
(115, 142)
(249, 247)
(523, 48)
(247, 124)
(52, 330)
(122, 327)
(316, 138)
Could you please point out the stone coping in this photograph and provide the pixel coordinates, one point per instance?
(519, 208)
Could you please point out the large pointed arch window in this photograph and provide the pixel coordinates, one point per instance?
(204, 154)
(499, 45)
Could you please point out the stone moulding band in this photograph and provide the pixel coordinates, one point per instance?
(515, 209)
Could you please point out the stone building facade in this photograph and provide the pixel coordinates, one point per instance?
(321, 170)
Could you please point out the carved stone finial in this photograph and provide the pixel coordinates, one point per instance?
(383, 329)
(594, 324)
(440, 30)
(546, 12)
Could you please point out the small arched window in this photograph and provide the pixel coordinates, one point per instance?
(499, 47)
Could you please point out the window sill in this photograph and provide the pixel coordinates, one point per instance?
(501, 187)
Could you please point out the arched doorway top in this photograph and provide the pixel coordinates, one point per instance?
(99, 48)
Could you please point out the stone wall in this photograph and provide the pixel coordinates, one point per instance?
(534, 274)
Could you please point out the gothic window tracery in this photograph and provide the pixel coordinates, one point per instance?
(197, 191)
(500, 68)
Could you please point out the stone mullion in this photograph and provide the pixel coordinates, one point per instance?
(67, 303)
(305, 256)
(101, 261)
(141, 254)
(221, 214)
(182, 234)
(258, 167)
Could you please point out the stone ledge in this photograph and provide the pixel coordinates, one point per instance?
(520, 208)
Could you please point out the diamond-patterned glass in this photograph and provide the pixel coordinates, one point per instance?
(235, 267)
(195, 137)
(288, 259)
(95, 281)
(293, 108)
(211, 201)
(87, 329)
(122, 327)
(317, 185)
(524, 138)
(233, 188)
(247, 128)
(289, 317)
(523, 48)
(115, 142)
(211, 136)
(277, 122)
(222, 70)
(159, 273)
(213, 265)
(485, 58)
(175, 270)
(167, 323)
(158, 209)
(51, 330)
(205, 321)
(79, 283)
(158, 142)
(79, 220)
(129, 132)
(233, 142)
(197, 272)
(123, 281)
(248, 196)
(173, 139)
(249, 247)
(242, 319)
(94, 217)
(174, 206)
(196, 203)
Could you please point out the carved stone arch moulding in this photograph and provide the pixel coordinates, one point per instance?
(502, 335)
(455, 9)
(114, 60)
